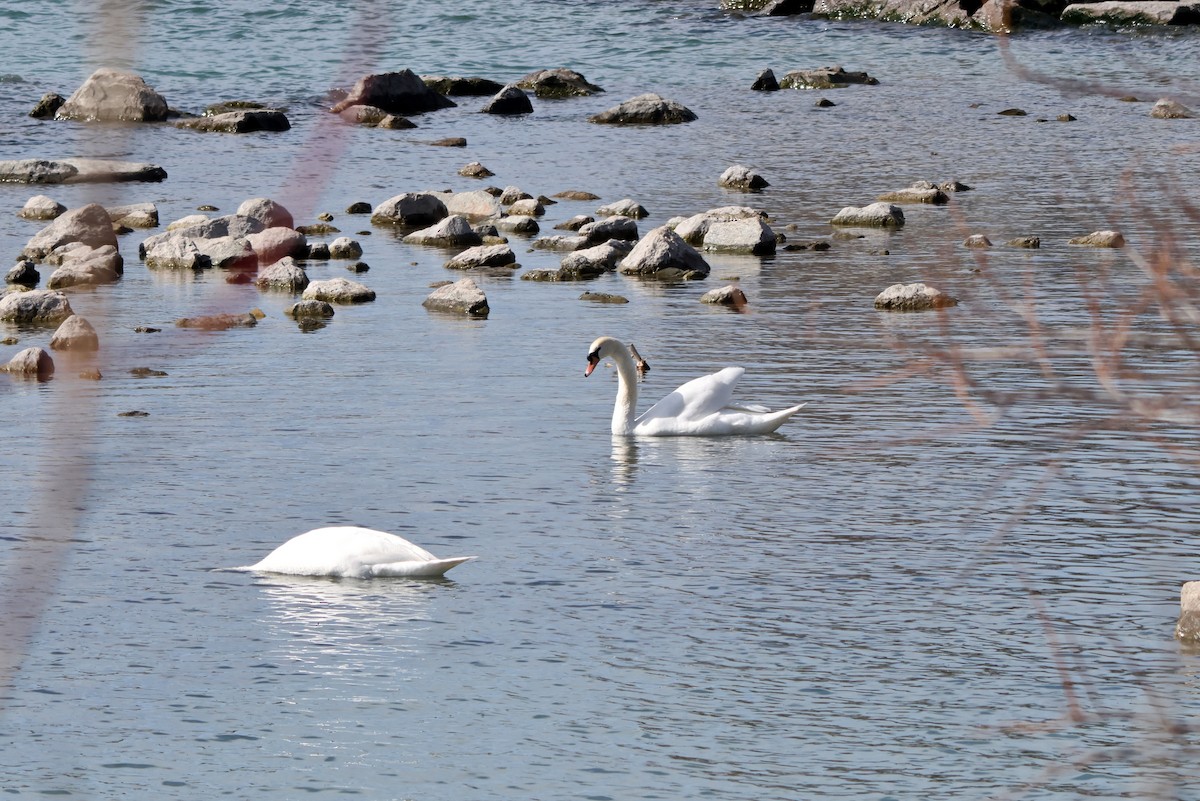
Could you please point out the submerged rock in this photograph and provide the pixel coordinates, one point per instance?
(647, 109)
(509, 101)
(453, 231)
(218, 322)
(875, 215)
(458, 85)
(725, 296)
(1167, 109)
(1100, 239)
(238, 122)
(558, 83)
(912, 297)
(396, 93)
(825, 78)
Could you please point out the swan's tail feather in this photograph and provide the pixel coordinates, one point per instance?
(432, 568)
(779, 418)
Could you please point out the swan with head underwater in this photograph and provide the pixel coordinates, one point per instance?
(703, 407)
(352, 552)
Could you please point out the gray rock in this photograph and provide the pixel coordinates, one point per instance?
(83, 265)
(746, 235)
(31, 363)
(272, 244)
(218, 322)
(40, 207)
(977, 241)
(36, 171)
(396, 93)
(478, 204)
(410, 209)
(135, 215)
(589, 263)
(1032, 242)
(453, 231)
(527, 207)
(742, 179)
(1167, 109)
(825, 78)
(231, 225)
(912, 297)
(482, 256)
(558, 83)
(89, 224)
(725, 296)
(345, 248)
(575, 223)
(1188, 627)
(461, 297)
(475, 170)
(338, 290)
(521, 224)
(560, 243)
(876, 215)
(509, 101)
(36, 307)
(663, 254)
(23, 273)
(96, 171)
(576, 194)
(511, 194)
(110, 95)
(75, 334)
(317, 251)
(915, 194)
(603, 297)
(1100, 239)
(626, 207)
(268, 212)
(175, 253)
(615, 227)
(284, 275)
(695, 228)
(228, 252)
(309, 308)
(647, 109)
(1139, 12)
(248, 121)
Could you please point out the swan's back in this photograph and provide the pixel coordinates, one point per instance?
(352, 552)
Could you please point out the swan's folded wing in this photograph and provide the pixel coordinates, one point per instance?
(422, 568)
(698, 398)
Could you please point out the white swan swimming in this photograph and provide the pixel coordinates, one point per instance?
(703, 407)
(352, 552)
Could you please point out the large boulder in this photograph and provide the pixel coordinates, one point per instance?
(912, 297)
(270, 213)
(410, 209)
(31, 363)
(453, 231)
(76, 334)
(875, 215)
(747, 235)
(396, 93)
(663, 254)
(484, 256)
(284, 275)
(1133, 12)
(36, 307)
(647, 109)
(557, 83)
(234, 226)
(1168, 109)
(88, 224)
(461, 297)
(338, 290)
(110, 95)
(509, 101)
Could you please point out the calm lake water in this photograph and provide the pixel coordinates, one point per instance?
(914, 591)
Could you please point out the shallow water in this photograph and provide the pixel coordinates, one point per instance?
(888, 599)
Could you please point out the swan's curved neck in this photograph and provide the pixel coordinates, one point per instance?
(625, 409)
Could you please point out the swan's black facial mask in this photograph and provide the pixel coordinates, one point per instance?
(593, 360)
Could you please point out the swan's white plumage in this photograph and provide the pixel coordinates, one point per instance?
(703, 407)
(352, 552)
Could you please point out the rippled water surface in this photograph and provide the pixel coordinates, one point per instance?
(916, 590)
